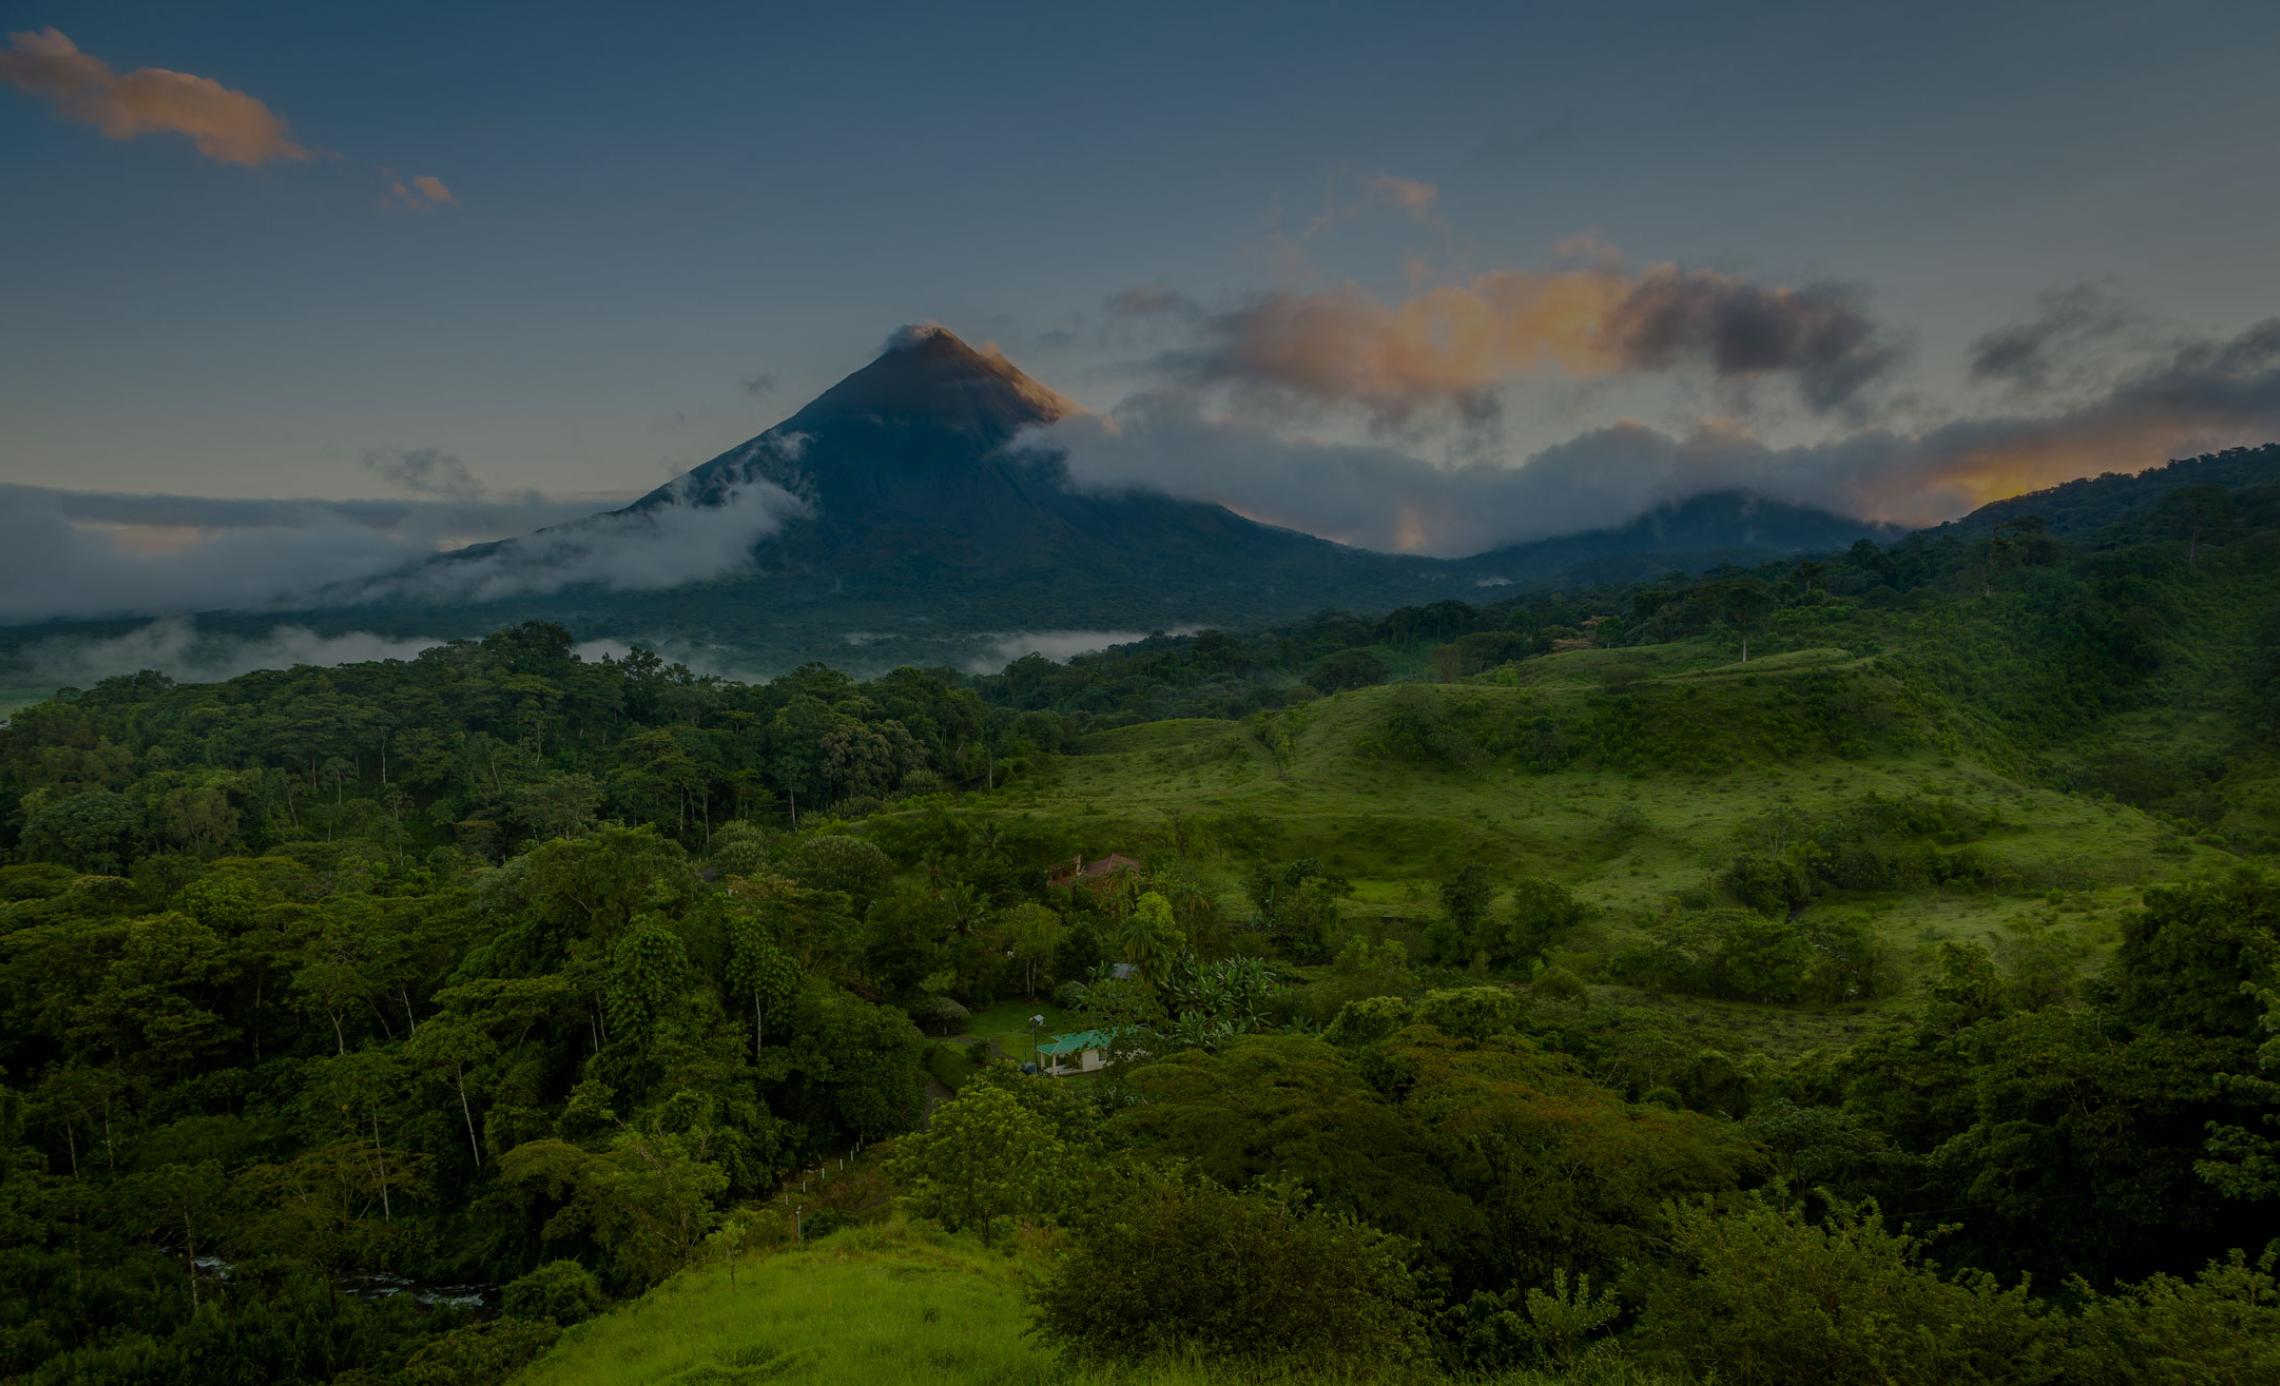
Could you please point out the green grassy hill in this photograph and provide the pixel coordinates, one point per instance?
(885, 1303)
(867, 1306)
(1633, 776)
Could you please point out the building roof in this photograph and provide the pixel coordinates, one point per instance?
(1114, 864)
(1077, 1043)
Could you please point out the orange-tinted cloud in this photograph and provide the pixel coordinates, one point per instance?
(1454, 343)
(227, 126)
(2201, 397)
(422, 192)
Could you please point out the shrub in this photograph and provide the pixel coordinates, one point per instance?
(1770, 885)
(1174, 1266)
(561, 1291)
(939, 1015)
(1559, 984)
(1472, 1013)
(1367, 1021)
(481, 1354)
(1757, 1293)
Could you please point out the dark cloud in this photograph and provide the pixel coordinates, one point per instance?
(1456, 344)
(758, 384)
(2205, 395)
(2067, 335)
(423, 472)
(1821, 336)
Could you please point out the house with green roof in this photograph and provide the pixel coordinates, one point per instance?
(1085, 1051)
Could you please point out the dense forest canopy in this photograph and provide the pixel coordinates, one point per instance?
(382, 1022)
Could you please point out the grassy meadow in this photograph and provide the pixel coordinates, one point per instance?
(883, 1303)
(1633, 840)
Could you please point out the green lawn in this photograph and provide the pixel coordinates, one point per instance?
(1006, 1025)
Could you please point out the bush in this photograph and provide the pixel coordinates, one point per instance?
(1772, 886)
(1472, 1013)
(1559, 984)
(481, 1354)
(561, 1291)
(1071, 996)
(947, 1066)
(1742, 956)
(939, 1015)
(1173, 1266)
(1367, 1021)
(1758, 1293)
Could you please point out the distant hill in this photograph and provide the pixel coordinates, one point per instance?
(2091, 503)
(1698, 533)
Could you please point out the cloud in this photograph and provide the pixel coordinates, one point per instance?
(2057, 346)
(1406, 194)
(423, 472)
(226, 126)
(646, 547)
(1455, 344)
(912, 334)
(999, 649)
(422, 192)
(80, 553)
(2205, 395)
(1150, 300)
(758, 384)
(177, 647)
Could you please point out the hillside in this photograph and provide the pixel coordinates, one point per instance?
(900, 517)
(889, 1303)
(1690, 536)
(503, 1008)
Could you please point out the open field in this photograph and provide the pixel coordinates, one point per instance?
(885, 1303)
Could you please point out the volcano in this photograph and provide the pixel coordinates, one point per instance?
(911, 478)
(907, 514)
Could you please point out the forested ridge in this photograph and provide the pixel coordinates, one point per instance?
(394, 1022)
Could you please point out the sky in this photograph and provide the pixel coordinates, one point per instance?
(1417, 277)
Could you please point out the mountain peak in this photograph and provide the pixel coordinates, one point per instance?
(926, 374)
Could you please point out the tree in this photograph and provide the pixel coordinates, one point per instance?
(2193, 511)
(93, 830)
(1542, 913)
(649, 969)
(982, 1159)
(759, 972)
(1465, 900)
(1741, 602)
(1031, 932)
(646, 1201)
(1149, 938)
(451, 1045)
(178, 1200)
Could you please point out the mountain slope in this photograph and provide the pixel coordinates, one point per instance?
(1700, 532)
(899, 517)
